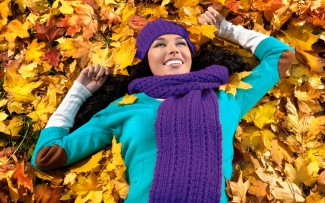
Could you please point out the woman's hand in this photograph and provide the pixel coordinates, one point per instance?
(93, 77)
(211, 17)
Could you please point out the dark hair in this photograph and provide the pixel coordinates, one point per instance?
(117, 86)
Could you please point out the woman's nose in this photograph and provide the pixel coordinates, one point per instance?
(173, 49)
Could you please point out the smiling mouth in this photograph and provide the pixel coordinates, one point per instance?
(173, 62)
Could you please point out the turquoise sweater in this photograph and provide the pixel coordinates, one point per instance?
(133, 125)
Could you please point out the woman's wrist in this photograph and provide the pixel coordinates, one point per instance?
(249, 39)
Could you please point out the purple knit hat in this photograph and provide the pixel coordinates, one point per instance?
(155, 29)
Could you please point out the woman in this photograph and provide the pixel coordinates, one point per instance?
(177, 136)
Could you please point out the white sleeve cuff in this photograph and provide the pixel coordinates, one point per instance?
(66, 112)
(249, 39)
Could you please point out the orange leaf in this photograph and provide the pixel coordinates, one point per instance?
(87, 19)
(137, 23)
(23, 179)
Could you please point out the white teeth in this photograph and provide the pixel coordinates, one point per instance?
(172, 62)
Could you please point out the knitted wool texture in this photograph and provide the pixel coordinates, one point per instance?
(155, 29)
(189, 137)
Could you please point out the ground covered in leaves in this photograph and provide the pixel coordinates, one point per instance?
(45, 44)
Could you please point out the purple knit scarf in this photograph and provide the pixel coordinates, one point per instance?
(189, 137)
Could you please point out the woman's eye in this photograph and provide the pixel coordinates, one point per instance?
(182, 43)
(159, 45)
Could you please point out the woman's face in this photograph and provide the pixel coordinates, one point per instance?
(168, 55)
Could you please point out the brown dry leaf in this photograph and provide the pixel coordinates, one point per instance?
(257, 188)
(42, 193)
(280, 152)
(316, 126)
(122, 188)
(288, 192)
(84, 50)
(239, 189)
(311, 59)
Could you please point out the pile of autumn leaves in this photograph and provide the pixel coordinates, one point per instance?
(43, 47)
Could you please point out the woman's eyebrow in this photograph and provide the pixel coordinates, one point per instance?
(163, 39)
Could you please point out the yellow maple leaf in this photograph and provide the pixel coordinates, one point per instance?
(65, 8)
(42, 110)
(181, 4)
(14, 29)
(121, 32)
(17, 107)
(164, 2)
(125, 54)
(127, 11)
(304, 171)
(235, 82)
(315, 197)
(19, 88)
(261, 114)
(87, 188)
(300, 37)
(3, 102)
(19, 29)
(3, 117)
(55, 93)
(28, 71)
(90, 163)
(14, 126)
(155, 10)
(117, 159)
(34, 51)
(127, 99)
(201, 33)
(101, 58)
(5, 9)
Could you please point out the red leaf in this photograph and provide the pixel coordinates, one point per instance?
(50, 32)
(52, 56)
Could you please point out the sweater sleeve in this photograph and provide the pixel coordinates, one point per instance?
(249, 39)
(56, 147)
(264, 76)
(268, 50)
(71, 103)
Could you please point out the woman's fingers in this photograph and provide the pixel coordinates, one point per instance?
(211, 17)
